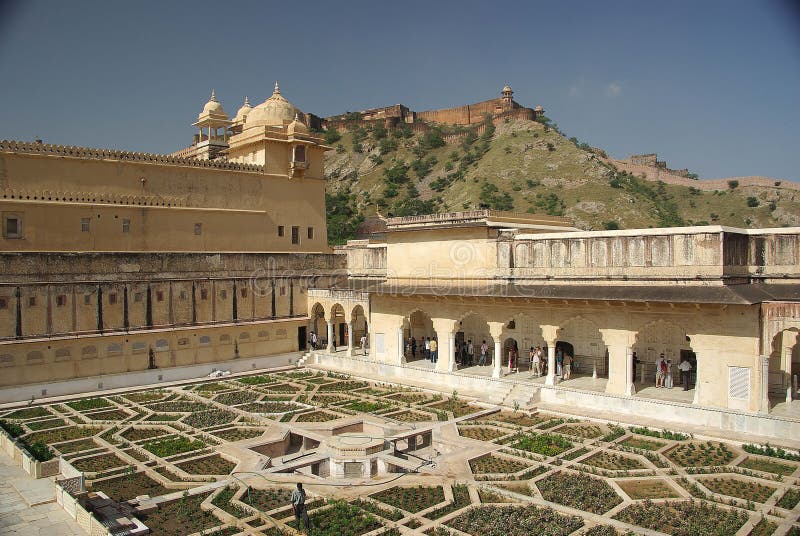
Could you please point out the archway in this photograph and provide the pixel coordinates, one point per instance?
(339, 326)
(473, 328)
(318, 325)
(360, 327)
(589, 352)
(784, 366)
(661, 337)
(510, 344)
(528, 334)
(417, 328)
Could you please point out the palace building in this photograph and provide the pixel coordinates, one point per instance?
(122, 267)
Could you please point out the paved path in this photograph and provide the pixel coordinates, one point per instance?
(28, 507)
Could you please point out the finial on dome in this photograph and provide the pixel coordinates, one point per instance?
(213, 96)
(246, 101)
(296, 117)
(277, 89)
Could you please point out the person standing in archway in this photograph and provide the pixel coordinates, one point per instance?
(685, 367)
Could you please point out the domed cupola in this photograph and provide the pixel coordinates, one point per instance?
(276, 111)
(244, 111)
(213, 109)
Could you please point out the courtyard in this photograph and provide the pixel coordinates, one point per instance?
(221, 456)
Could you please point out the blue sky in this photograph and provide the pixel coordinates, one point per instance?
(710, 85)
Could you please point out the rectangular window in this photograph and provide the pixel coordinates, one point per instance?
(61, 300)
(126, 226)
(87, 299)
(32, 301)
(299, 153)
(182, 295)
(281, 230)
(159, 295)
(12, 226)
(112, 298)
(198, 228)
(3, 302)
(310, 233)
(203, 294)
(244, 292)
(295, 235)
(223, 294)
(137, 297)
(85, 224)
(283, 291)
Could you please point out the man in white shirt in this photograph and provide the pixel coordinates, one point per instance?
(470, 353)
(484, 350)
(364, 344)
(685, 367)
(428, 348)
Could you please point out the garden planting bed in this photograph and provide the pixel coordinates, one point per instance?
(238, 434)
(579, 491)
(58, 435)
(164, 417)
(790, 498)
(545, 444)
(89, 404)
(648, 489)
(365, 406)
(413, 499)
(96, 464)
(237, 397)
(641, 443)
(45, 424)
(145, 396)
(583, 431)
(460, 500)
(181, 517)
(163, 448)
(129, 486)
(481, 433)
(109, 415)
(76, 446)
(456, 407)
(138, 434)
(208, 465)
(739, 488)
(514, 521)
(488, 496)
(377, 510)
(317, 416)
(207, 419)
(341, 519)
(409, 398)
(34, 412)
(518, 419)
(684, 518)
(268, 499)
(613, 462)
(282, 388)
(341, 386)
(523, 488)
(767, 465)
(491, 464)
(179, 406)
(697, 454)
(257, 380)
(325, 399)
(412, 416)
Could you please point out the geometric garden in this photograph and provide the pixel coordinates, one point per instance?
(216, 457)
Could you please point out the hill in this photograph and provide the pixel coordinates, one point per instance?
(528, 166)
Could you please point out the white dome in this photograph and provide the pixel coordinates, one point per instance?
(275, 111)
(244, 111)
(213, 106)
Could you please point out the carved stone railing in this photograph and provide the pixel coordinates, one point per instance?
(128, 156)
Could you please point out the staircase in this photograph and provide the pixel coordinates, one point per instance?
(524, 394)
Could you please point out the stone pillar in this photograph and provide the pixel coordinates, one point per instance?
(401, 354)
(763, 407)
(550, 379)
(620, 363)
(451, 351)
(330, 337)
(349, 339)
(498, 358)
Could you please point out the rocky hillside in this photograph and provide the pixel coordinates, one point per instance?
(528, 166)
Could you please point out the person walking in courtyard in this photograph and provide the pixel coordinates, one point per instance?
(364, 343)
(434, 350)
(559, 362)
(313, 340)
(661, 371)
(484, 349)
(299, 506)
(567, 367)
(534, 356)
(470, 353)
(413, 348)
(635, 362)
(427, 348)
(685, 367)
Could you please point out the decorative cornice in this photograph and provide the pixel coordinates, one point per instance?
(71, 151)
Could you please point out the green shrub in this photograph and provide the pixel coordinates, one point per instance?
(752, 202)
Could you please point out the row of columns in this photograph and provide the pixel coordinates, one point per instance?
(330, 347)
